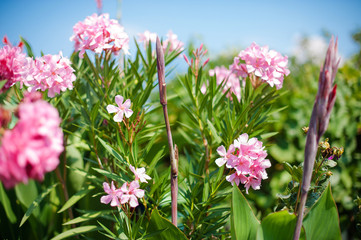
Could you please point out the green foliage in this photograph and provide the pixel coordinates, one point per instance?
(165, 229)
(322, 219)
(244, 223)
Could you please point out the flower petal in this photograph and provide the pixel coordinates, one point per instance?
(119, 100)
(118, 117)
(112, 108)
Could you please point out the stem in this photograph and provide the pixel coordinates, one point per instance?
(173, 158)
(66, 195)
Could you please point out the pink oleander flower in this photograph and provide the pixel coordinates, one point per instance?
(13, 64)
(229, 79)
(99, 33)
(33, 146)
(247, 158)
(52, 73)
(121, 110)
(140, 174)
(131, 193)
(226, 156)
(173, 43)
(113, 195)
(265, 65)
(147, 37)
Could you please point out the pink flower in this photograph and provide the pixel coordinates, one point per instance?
(140, 174)
(113, 195)
(229, 79)
(121, 110)
(247, 158)
(99, 33)
(173, 43)
(13, 64)
(267, 66)
(33, 146)
(52, 73)
(131, 193)
(226, 156)
(147, 37)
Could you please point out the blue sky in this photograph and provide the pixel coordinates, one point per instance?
(47, 24)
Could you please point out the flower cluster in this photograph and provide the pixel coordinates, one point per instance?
(33, 146)
(248, 158)
(13, 64)
(121, 110)
(128, 193)
(50, 72)
(99, 33)
(229, 79)
(147, 37)
(172, 43)
(264, 65)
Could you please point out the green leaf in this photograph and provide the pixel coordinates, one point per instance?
(6, 204)
(85, 217)
(244, 223)
(277, 226)
(158, 223)
(322, 220)
(112, 151)
(36, 203)
(2, 83)
(76, 197)
(75, 231)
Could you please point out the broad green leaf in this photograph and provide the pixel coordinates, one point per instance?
(26, 194)
(244, 223)
(76, 197)
(277, 226)
(322, 220)
(75, 231)
(6, 204)
(36, 203)
(158, 223)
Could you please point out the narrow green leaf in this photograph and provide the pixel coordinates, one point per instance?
(217, 139)
(6, 204)
(268, 135)
(75, 231)
(76, 197)
(158, 223)
(277, 226)
(2, 83)
(112, 151)
(84, 217)
(322, 220)
(36, 203)
(244, 223)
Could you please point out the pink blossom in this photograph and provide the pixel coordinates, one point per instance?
(140, 174)
(267, 66)
(121, 110)
(99, 33)
(147, 37)
(33, 146)
(226, 156)
(247, 159)
(228, 79)
(131, 193)
(113, 195)
(172, 43)
(13, 64)
(52, 73)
